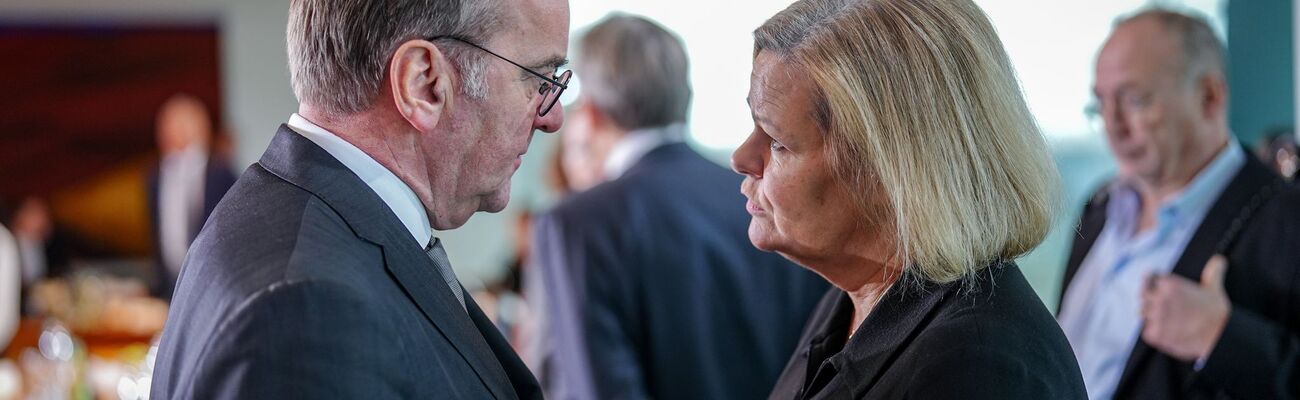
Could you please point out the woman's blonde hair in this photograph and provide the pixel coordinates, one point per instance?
(918, 100)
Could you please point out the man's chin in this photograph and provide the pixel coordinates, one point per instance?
(495, 202)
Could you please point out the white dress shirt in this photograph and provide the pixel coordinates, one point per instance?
(180, 202)
(396, 194)
(31, 255)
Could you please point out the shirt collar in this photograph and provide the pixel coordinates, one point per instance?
(1199, 195)
(635, 144)
(396, 194)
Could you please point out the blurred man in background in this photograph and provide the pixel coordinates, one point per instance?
(33, 232)
(185, 187)
(1149, 315)
(46, 249)
(646, 284)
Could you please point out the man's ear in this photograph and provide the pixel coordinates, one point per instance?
(1213, 97)
(420, 78)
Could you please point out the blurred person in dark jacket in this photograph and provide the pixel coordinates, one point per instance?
(47, 250)
(33, 231)
(645, 285)
(185, 186)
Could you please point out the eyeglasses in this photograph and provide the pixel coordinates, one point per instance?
(1128, 103)
(551, 88)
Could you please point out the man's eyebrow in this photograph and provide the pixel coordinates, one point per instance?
(555, 62)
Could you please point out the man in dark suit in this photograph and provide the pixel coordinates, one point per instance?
(185, 187)
(647, 283)
(318, 275)
(1149, 315)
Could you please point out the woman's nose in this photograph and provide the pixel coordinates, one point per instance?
(748, 158)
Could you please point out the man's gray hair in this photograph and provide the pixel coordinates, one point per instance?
(339, 50)
(1202, 51)
(635, 71)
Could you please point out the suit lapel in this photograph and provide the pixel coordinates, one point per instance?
(416, 274)
(1252, 178)
(300, 162)
(1090, 226)
(523, 381)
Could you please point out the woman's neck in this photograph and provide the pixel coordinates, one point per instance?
(867, 295)
(865, 276)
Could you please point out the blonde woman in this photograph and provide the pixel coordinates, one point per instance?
(894, 155)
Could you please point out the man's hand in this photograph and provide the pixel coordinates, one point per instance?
(1183, 319)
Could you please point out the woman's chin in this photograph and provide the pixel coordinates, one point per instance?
(761, 237)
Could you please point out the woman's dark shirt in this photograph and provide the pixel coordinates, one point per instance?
(987, 337)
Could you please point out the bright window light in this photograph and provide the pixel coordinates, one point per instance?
(1051, 43)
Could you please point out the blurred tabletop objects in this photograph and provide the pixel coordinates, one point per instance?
(90, 337)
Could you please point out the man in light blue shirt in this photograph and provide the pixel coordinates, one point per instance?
(1140, 323)
(1100, 314)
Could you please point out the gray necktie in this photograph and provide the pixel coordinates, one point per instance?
(439, 257)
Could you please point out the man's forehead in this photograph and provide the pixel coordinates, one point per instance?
(540, 29)
(554, 11)
(1139, 44)
(548, 18)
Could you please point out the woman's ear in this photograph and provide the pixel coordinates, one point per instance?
(420, 78)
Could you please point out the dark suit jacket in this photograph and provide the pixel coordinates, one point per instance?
(653, 290)
(217, 179)
(986, 338)
(305, 285)
(1257, 355)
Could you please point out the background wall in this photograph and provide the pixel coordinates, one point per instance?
(1261, 64)
(256, 81)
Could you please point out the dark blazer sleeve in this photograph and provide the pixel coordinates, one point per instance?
(1255, 358)
(588, 353)
(1258, 354)
(303, 340)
